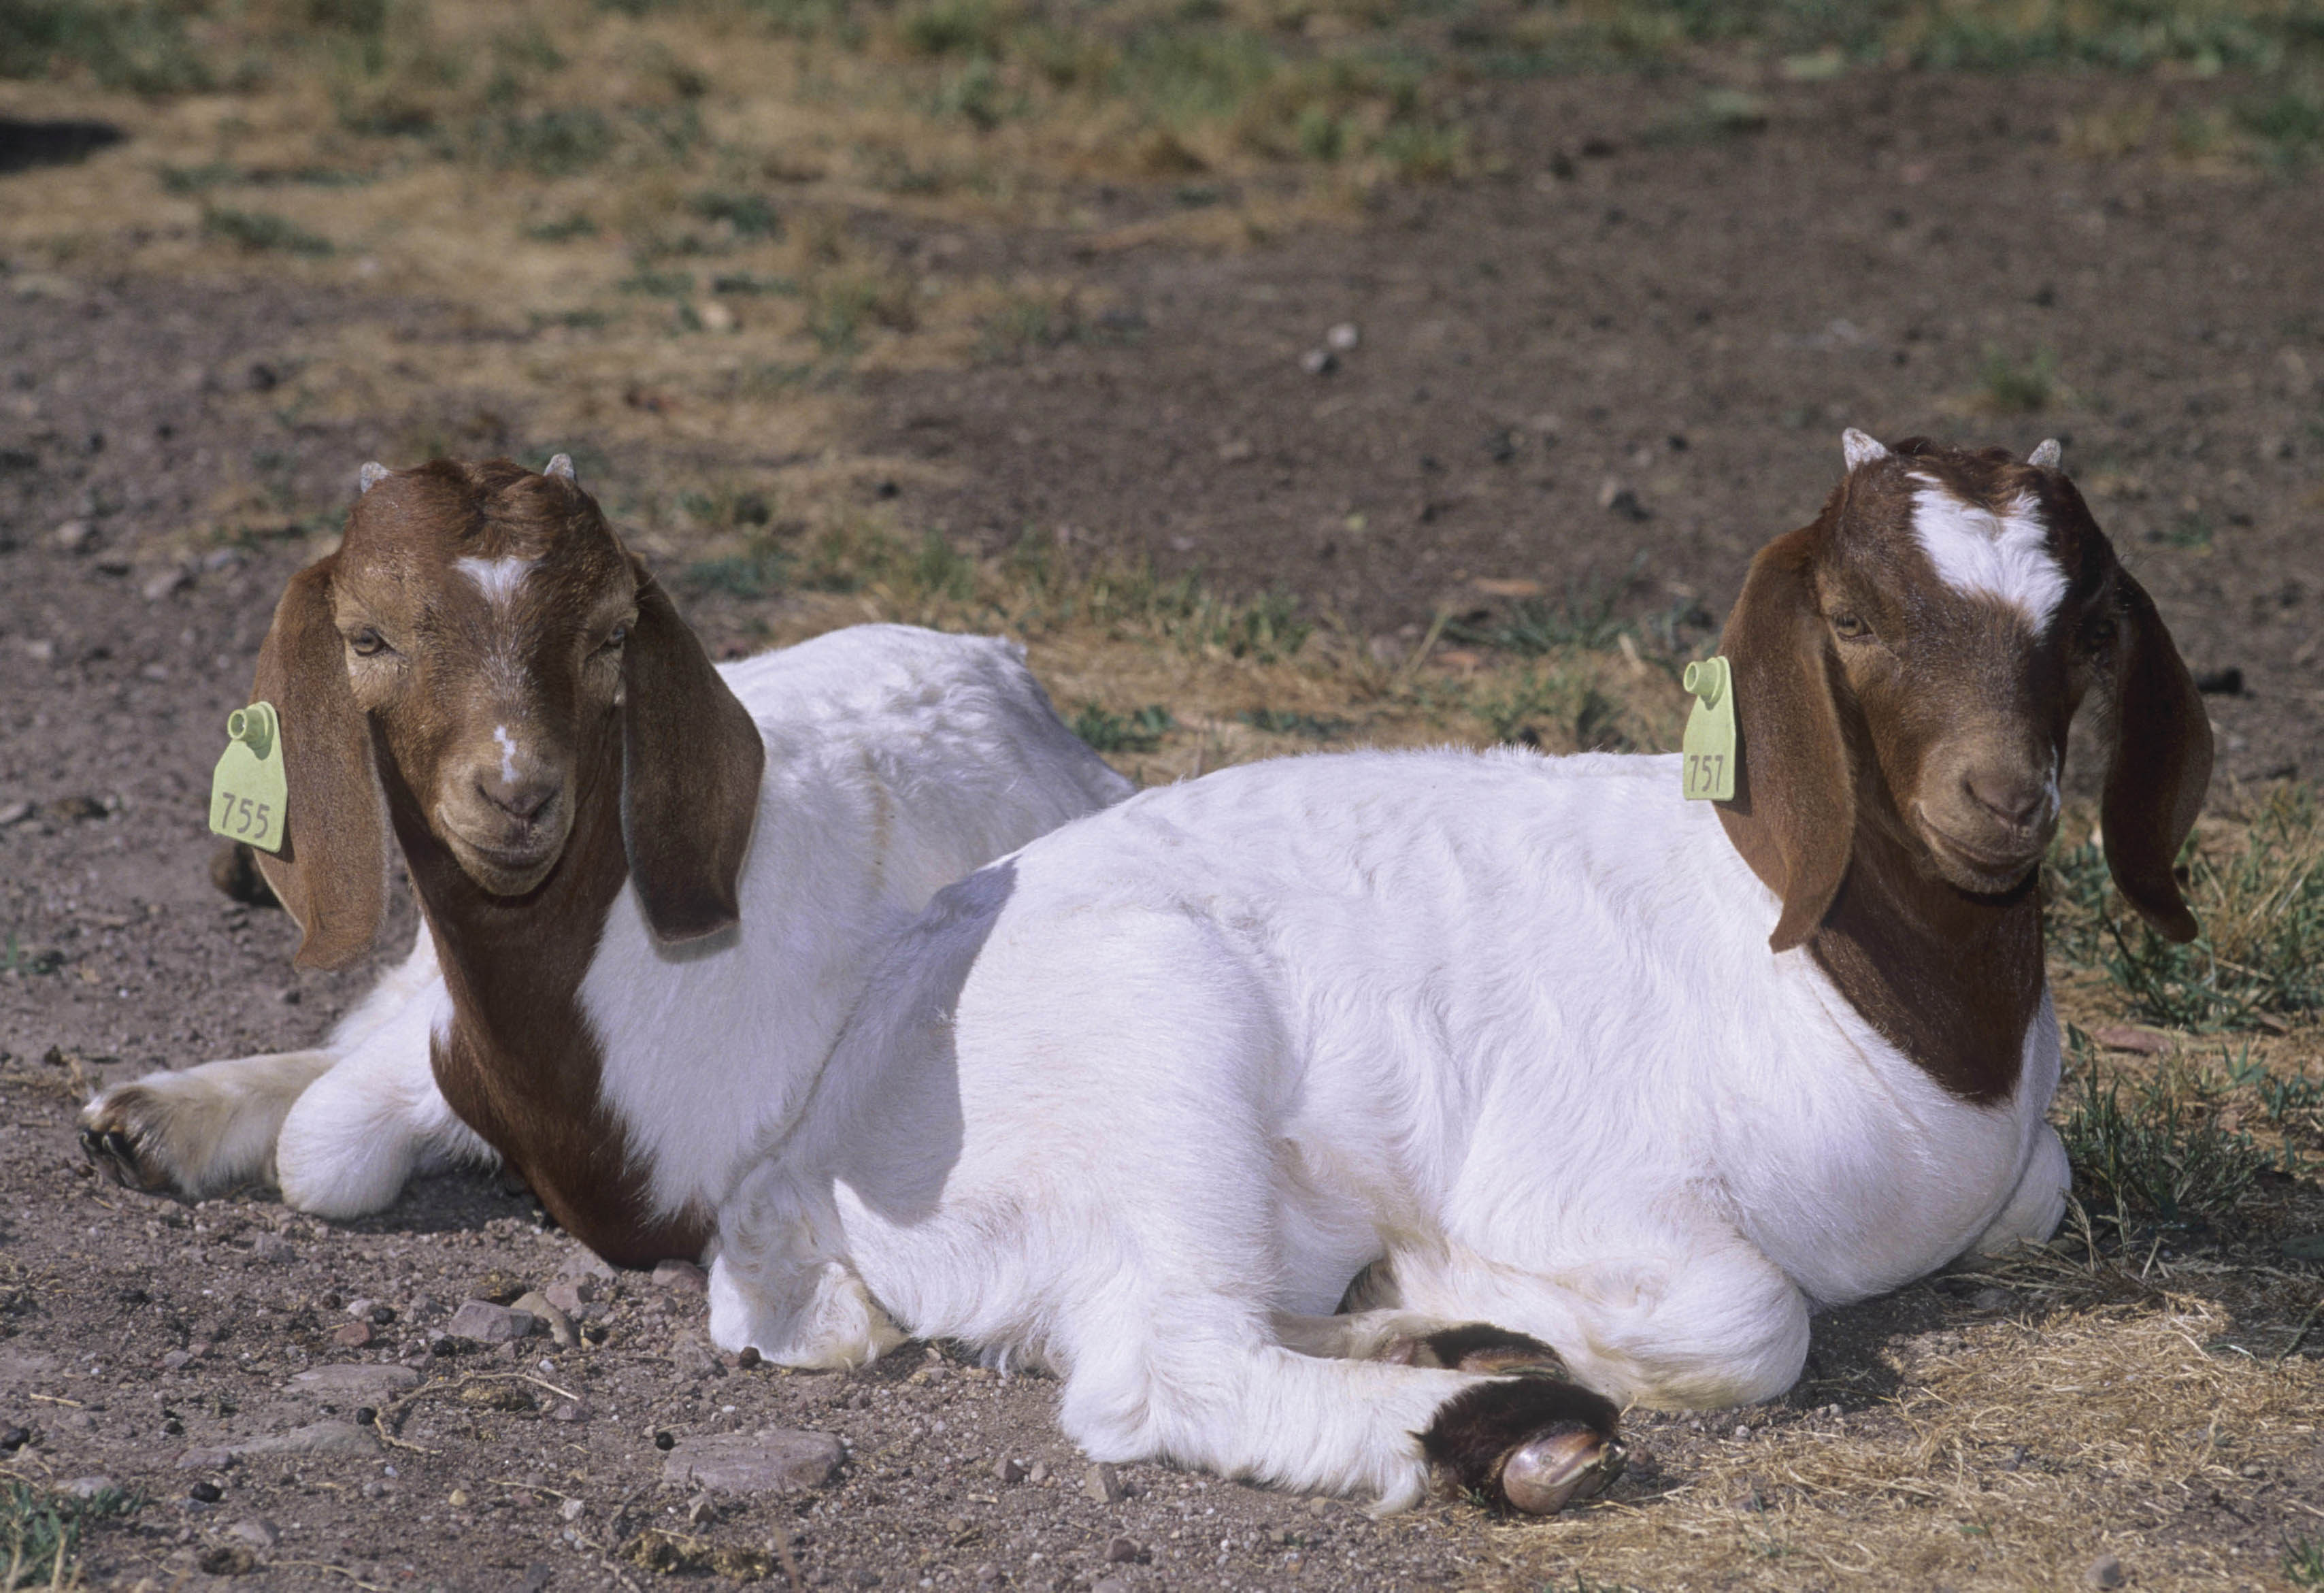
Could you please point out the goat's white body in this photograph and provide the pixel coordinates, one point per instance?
(898, 760)
(1138, 1101)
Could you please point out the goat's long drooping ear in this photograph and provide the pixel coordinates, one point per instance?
(1793, 813)
(690, 768)
(2159, 769)
(332, 871)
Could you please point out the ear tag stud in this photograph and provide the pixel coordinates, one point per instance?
(1708, 762)
(249, 794)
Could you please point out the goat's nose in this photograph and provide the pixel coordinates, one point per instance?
(2015, 799)
(520, 800)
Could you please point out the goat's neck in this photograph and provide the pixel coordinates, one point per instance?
(520, 1064)
(1949, 978)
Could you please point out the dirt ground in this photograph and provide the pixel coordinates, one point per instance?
(1625, 360)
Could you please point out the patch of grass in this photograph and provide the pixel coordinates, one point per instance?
(2303, 1562)
(40, 1532)
(751, 215)
(2258, 891)
(2011, 386)
(258, 231)
(1139, 730)
(1287, 722)
(842, 304)
(1582, 616)
(143, 45)
(576, 224)
(2152, 1150)
(1023, 323)
(558, 142)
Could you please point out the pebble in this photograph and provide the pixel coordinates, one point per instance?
(1319, 362)
(570, 1295)
(1319, 1505)
(987, 1574)
(680, 1275)
(560, 1325)
(89, 1488)
(272, 1249)
(227, 1560)
(1344, 338)
(351, 1335)
(205, 1493)
(1008, 1469)
(205, 1460)
(1103, 1484)
(164, 582)
(355, 1377)
(1123, 1551)
(257, 1532)
(692, 1356)
(572, 1509)
(1110, 1585)
(480, 1322)
(73, 535)
(1041, 1472)
(774, 1461)
(14, 1439)
(1992, 1300)
(318, 1438)
(2105, 1571)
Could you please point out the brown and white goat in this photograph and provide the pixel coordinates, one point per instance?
(650, 886)
(1580, 1079)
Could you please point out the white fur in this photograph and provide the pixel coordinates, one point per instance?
(2006, 555)
(1861, 448)
(897, 760)
(1137, 1102)
(497, 579)
(508, 754)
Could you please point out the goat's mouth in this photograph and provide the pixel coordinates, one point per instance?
(506, 868)
(1984, 867)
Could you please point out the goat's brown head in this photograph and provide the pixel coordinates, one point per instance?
(483, 631)
(1914, 660)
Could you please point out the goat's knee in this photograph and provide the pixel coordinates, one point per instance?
(352, 1139)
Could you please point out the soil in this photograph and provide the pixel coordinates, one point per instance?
(1625, 362)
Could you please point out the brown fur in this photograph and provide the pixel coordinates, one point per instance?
(638, 764)
(1947, 718)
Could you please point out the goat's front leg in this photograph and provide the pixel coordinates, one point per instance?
(205, 1130)
(777, 1288)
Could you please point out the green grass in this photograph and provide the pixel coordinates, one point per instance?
(259, 231)
(2260, 900)
(2012, 386)
(40, 1532)
(2148, 1151)
(1284, 722)
(2303, 1562)
(1139, 730)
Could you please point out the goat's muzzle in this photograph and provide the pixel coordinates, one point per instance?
(506, 834)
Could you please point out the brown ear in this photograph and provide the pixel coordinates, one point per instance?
(2159, 769)
(331, 873)
(690, 768)
(1793, 812)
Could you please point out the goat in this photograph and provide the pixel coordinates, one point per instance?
(1594, 1091)
(649, 888)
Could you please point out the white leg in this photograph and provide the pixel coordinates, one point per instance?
(774, 1290)
(2039, 1204)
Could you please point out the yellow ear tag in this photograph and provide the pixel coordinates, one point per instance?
(1709, 763)
(248, 793)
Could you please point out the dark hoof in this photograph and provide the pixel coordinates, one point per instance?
(114, 1151)
(1531, 1444)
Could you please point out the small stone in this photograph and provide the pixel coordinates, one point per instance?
(257, 1532)
(1344, 338)
(1103, 1484)
(480, 1322)
(1007, 1470)
(1741, 1433)
(560, 1326)
(775, 1460)
(680, 1275)
(319, 1438)
(987, 1574)
(1110, 1585)
(162, 583)
(1992, 1300)
(692, 1356)
(2105, 1571)
(176, 1360)
(1319, 362)
(272, 1249)
(88, 1487)
(73, 535)
(570, 1295)
(205, 1460)
(354, 1378)
(572, 1509)
(571, 1411)
(1319, 1505)
(1123, 1551)
(351, 1335)
(715, 317)
(499, 1287)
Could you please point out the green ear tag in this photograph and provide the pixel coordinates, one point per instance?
(1709, 764)
(248, 792)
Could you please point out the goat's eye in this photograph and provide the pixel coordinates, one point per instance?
(2100, 631)
(615, 638)
(367, 642)
(1850, 626)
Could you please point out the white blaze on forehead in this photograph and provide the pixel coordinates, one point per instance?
(508, 754)
(2005, 555)
(496, 578)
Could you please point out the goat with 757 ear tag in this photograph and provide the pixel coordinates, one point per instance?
(1596, 1092)
(650, 885)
